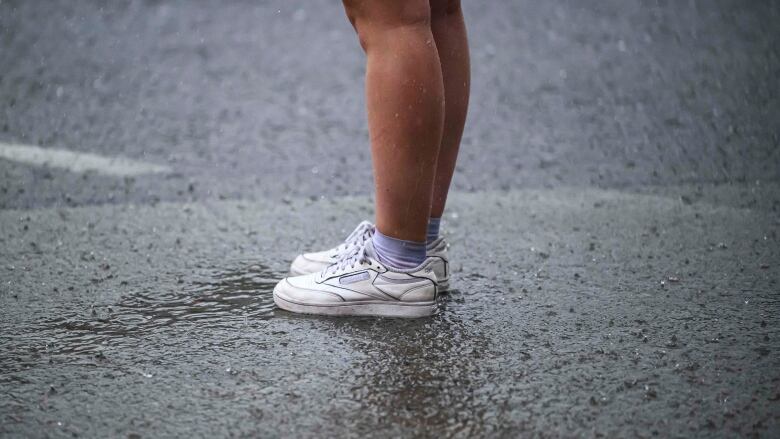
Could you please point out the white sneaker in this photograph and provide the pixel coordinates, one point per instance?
(314, 262)
(360, 285)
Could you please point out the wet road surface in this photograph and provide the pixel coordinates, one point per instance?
(614, 225)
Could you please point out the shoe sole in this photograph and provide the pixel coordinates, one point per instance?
(363, 308)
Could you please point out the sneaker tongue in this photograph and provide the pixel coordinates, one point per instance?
(369, 249)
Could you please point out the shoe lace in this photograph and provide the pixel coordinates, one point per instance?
(358, 237)
(355, 255)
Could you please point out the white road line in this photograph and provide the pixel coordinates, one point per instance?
(77, 161)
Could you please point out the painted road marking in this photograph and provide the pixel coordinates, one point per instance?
(78, 161)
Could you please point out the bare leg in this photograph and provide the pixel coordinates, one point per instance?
(405, 102)
(449, 32)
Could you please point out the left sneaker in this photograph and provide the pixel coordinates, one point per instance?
(360, 285)
(317, 261)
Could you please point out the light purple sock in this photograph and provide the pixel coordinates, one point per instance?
(397, 253)
(433, 229)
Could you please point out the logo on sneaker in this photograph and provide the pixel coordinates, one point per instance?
(352, 278)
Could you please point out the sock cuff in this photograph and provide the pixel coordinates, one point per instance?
(433, 229)
(398, 253)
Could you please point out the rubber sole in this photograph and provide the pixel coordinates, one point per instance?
(363, 308)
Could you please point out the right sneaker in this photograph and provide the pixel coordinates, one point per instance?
(307, 263)
(437, 251)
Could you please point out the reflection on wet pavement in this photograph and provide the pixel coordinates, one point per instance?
(418, 376)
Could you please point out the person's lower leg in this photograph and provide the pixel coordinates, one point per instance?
(449, 32)
(405, 103)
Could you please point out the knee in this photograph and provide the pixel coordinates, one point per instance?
(444, 8)
(372, 18)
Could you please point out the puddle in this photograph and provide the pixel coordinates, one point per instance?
(229, 294)
(218, 301)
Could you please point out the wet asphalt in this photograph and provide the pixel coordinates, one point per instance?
(613, 225)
